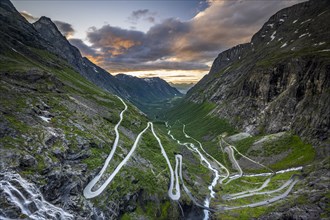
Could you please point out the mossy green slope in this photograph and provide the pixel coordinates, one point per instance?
(288, 148)
(77, 138)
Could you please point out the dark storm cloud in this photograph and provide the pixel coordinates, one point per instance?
(134, 45)
(30, 18)
(140, 13)
(84, 49)
(144, 14)
(114, 41)
(65, 28)
(182, 45)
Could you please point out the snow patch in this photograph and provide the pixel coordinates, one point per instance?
(296, 32)
(322, 13)
(321, 43)
(303, 35)
(52, 131)
(325, 50)
(305, 21)
(280, 39)
(14, 50)
(294, 21)
(281, 20)
(270, 25)
(273, 36)
(293, 48)
(95, 70)
(45, 118)
(284, 45)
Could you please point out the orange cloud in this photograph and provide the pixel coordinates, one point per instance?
(97, 60)
(120, 46)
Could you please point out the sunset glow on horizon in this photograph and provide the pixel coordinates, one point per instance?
(174, 40)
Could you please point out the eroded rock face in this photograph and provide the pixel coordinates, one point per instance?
(280, 80)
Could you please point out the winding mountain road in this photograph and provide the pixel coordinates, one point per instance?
(176, 175)
(89, 193)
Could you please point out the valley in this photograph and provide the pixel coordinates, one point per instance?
(250, 140)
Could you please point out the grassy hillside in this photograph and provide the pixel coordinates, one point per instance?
(277, 151)
(55, 122)
(58, 130)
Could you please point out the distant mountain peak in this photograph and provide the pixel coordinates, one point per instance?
(48, 28)
(45, 19)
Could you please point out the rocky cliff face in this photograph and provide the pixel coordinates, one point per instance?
(280, 81)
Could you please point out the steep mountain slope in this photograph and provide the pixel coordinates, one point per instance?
(58, 44)
(273, 90)
(56, 130)
(46, 34)
(279, 81)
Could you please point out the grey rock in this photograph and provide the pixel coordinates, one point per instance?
(28, 161)
(5, 129)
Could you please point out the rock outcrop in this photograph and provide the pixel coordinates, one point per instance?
(280, 81)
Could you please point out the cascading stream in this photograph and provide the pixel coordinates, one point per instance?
(28, 198)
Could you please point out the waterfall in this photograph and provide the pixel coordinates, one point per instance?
(27, 197)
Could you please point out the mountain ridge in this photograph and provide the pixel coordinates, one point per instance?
(100, 76)
(254, 84)
(45, 34)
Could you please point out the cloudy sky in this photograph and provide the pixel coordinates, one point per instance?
(175, 40)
